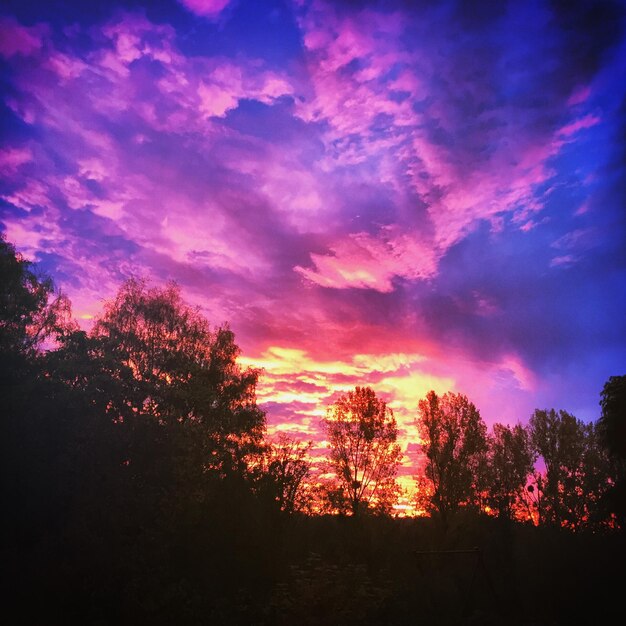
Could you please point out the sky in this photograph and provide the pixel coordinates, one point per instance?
(405, 195)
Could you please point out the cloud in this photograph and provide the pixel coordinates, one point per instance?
(206, 8)
(366, 262)
(469, 152)
(12, 158)
(580, 124)
(113, 177)
(16, 39)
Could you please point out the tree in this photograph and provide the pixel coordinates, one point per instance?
(180, 374)
(577, 469)
(125, 454)
(364, 455)
(612, 423)
(612, 436)
(597, 476)
(283, 470)
(453, 439)
(30, 312)
(510, 462)
(165, 423)
(165, 415)
(34, 460)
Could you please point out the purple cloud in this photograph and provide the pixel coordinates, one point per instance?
(206, 8)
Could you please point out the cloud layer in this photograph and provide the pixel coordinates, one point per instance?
(409, 198)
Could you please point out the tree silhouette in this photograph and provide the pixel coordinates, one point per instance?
(577, 469)
(557, 438)
(453, 439)
(612, 422)
(163, 424)
(30, 312)
(612, 435)
(179, 374)
(282, 470)
(36, 431)
(510, 462)
(364, 454)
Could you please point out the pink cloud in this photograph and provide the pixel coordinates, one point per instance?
(351, 100)
(205, 8)
(227, 84)
(350, 58)
(193, 226)
(367, 262)
(286, 181)
(582, 209)
(11, 159)
(580, 237)
(33, 194)
(187, 90)
(67, 68)
(579, 95)
(216, 101)
(18, 39)
(565, 260)
(31, 236)
(525, 378)
(580, 124)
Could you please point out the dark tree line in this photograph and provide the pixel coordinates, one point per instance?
(139, 484)
(557, 470)
(130, 454)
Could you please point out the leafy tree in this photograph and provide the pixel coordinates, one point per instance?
(364, 455)
(162, 422)
(558, 439)
(453, 439)
(577, 469)
(180, 374)
(283, 470)
(612, 436)
(596, 477)
(34, 432)
(612, 422)
(30, 312)
(510, 463)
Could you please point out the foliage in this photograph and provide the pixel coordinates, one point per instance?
(30, 313)
(453, 439)
(282, 471)
(364, 455)
(577, 469)
(33, 445)
(612, 423)
(319, 592)
(510, 462)
(178, 372)
(612, 434)
(126, 451)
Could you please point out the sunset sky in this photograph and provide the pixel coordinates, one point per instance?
(406, 195)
